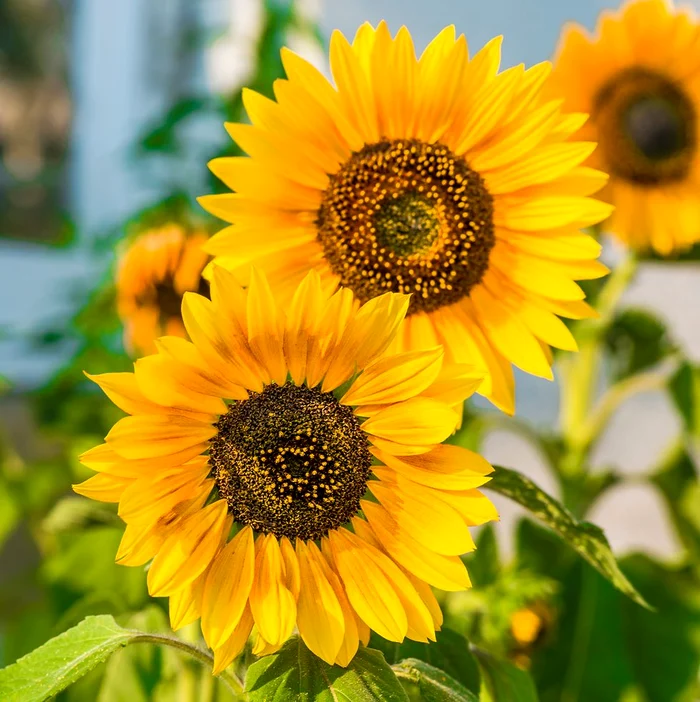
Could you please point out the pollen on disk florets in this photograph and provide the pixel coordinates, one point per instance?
(410, 217)
(291, 461)
(647, 127)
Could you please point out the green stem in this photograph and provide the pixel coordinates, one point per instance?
(582, 636)
(581, 370)
(619, 393)
(230, 678)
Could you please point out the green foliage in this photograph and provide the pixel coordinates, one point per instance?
(636, 340)
(85, 564)
(62, 660)
(297, 675)
(586, 539)
(450, 653)
(424, 682)
(684, 387)
(602, 643)
(504, 681)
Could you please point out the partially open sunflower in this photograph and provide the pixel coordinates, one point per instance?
(639, 77)
(437, 177)
(154, 272)
(282, 470)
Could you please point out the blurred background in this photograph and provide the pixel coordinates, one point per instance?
(112, 109)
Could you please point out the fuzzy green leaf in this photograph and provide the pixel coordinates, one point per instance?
(294, 674)
(64, 659)
(424, 682)
(585, 538)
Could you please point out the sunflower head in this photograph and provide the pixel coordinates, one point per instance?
(638, 78)
(155, 270)
(284, 469)
(437, 177)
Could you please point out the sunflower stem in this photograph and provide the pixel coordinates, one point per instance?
(203, 656)
(581, 370)
(581, 422)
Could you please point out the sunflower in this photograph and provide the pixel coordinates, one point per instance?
(282, 470)
(154, 272)
(639, 77)
(438, 177)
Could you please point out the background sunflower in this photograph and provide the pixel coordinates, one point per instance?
(155, 270)
(638, 76)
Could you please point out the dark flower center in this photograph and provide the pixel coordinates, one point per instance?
(405, 216)
(647, 127)
(292, 461)
(656, 128)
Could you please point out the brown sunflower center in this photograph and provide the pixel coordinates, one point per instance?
(291, 460)
(647, 127)
(166, 299)
(405, 216)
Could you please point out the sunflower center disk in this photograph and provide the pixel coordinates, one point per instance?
(291, 461)
(405, 216)
(647, 127)
(656, 128)
(168, 300)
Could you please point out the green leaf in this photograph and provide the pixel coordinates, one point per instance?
(602, 644)
(485, 567)
(663, 646)
(429, 684)
(684, 387)
(636, 340)
(449, 652)
(61, 661)
(504, 681)
(9, 510)
(85, 564)
(77, 512)
(585, 538)
(677, 479)
(297, 675)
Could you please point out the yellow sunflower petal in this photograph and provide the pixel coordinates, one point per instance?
(123, 390)
(444, 572)
(445, 467)
(157, 377)
(158, 493)
(455, 383)
(395, 378)
(103, 487)
(418, 421)
(265, 328)
(150, 436)
(227, 588)
(366, 337)
(319, 615)
(185, 605)
(369, 590)
(233, 646)
(420, 513)
(188, 551)
(139, 544)
(273, 606)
